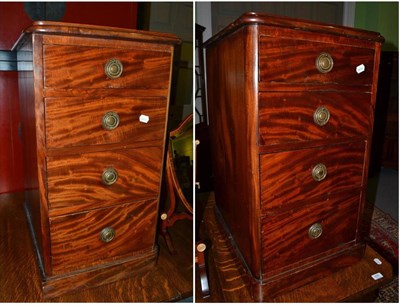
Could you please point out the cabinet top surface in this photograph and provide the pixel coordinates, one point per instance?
(85, 30)
(253, 18)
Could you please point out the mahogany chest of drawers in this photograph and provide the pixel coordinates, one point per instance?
(291, 108)
(94, 109)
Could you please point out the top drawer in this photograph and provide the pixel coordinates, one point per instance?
(85, 67)
(288, 60)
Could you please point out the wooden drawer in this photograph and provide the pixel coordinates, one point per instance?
(83, 67)
(288, 60)
(76, 239)
(289, 117)
(75, 181)
(76, 122)
(287, 177)
(286, 240)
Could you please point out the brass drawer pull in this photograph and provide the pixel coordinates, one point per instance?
(107, 234)
(321, 116)
(315, 231)
(113, 68)
(110, 120)
(110, 176)
(319, 172)
(324, 63)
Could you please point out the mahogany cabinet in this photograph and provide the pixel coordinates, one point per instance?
(291, 108)
(94, 110)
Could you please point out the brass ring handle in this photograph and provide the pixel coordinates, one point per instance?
(110, 176)
(324, 63)
(113, 68)
(319, 172)
(315, 231)
(321, 116)
(107, 234)
(110, 120)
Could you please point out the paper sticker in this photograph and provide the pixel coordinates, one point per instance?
(377, 261)
(377, 276)
(360, 69)
(144, 118)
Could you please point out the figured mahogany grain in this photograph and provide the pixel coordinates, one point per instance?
(289, 117)
(78, 121)
(274, 85)
(286, 177)
(75, 181)
(298, 65)
(231, 282)
(85, 67)
(169, 280)
(285, 236)
(232, 104)
(78, 235)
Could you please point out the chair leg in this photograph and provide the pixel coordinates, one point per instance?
(201, 263)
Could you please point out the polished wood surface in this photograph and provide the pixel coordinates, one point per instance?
(75, 181)
(64, 127)
(229, 281)
(78, 235)
(85, 67)
(287, 180)
(299, 63)
(169, 280)
(263, 90)
(287, 118)
(232, 101)
(313, 27)
(67, 149)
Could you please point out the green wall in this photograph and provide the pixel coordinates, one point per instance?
(382, 17)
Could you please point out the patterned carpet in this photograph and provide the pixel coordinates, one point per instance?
(384, 238)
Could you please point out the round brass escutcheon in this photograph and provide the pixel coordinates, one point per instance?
(110, 120)
(321, 116)
(113, 68)
(107, 234)
(324, 63)
(319, 172)
(315, 231)
(110, 176)
(164, 216)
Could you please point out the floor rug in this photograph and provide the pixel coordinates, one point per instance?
(384, 238)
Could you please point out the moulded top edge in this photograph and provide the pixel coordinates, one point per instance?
(294, 23)
(85, 30)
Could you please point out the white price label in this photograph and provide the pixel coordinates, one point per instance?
(144, 118)
(377, 276)
(377, 261)
(360, 69)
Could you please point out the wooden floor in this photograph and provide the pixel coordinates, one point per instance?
(170, 280)
(229, 281)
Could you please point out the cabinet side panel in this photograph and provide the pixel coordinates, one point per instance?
(32, 117)
(232, 102)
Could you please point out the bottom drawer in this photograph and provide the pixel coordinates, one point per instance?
(295, 235)
(100, 236)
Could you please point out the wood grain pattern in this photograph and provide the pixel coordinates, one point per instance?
(75, 181)
(232, 104)
(231, 282)
(289, 117)
(286, 177)
(85, 67)
(285, 236)
(169, 280)
(78, 121)
(76, 240)
(277, 76)
(88, 31)
(298, 64)
(312, 27)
